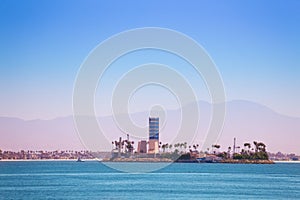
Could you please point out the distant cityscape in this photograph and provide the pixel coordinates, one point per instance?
(45, 155)
(87, 155)
(153, 148)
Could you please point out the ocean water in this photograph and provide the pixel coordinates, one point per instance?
(93, 180)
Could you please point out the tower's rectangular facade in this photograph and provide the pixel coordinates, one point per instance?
(153, 128)
(153, 135)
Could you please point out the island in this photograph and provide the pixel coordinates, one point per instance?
(182, 153)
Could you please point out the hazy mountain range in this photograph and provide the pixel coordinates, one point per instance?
(247, 121)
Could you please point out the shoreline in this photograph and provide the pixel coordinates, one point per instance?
(47, 160)
(151, 161)
(286, 161)
(232, 161)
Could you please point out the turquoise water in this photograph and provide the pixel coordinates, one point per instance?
(93, 180)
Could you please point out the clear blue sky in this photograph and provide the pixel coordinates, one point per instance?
(255, 44)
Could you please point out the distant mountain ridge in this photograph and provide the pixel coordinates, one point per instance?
(247, 121)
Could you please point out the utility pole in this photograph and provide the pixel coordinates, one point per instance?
(234, 140)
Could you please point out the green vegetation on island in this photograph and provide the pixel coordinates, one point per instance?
(181, 152)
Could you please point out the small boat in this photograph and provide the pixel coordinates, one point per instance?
(209, 159)
(79, 160)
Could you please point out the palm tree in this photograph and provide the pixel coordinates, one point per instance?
(217, 146)
(167, 146)
(229, 150)
(195, 147)
(248, 145)
(261, 146)
(256, 146)
(212, 148)
(176, 145)
(181, 146)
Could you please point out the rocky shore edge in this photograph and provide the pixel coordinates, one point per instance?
(235, 161)
(230, 161)
(138, 160)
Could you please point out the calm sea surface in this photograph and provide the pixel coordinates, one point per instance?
(93, 180)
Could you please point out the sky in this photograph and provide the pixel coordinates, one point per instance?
(254, 44)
